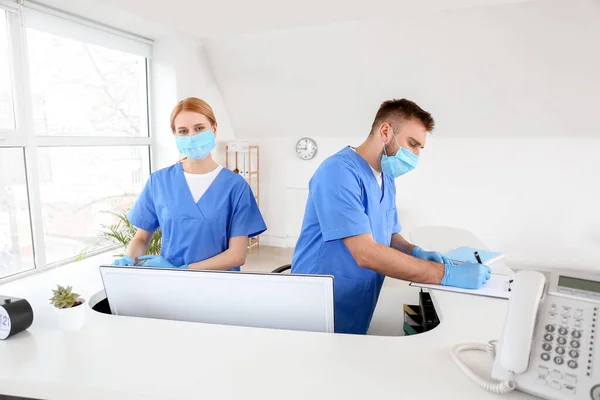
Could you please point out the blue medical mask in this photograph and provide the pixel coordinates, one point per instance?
(399, 164)
(197, 146)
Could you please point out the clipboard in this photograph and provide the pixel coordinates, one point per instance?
(497, 286)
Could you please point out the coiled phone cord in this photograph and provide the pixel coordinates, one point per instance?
(491, 386)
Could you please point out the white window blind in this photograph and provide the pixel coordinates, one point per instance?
(57, 23)
(9, 5)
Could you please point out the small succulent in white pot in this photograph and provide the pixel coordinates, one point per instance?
(67, 303)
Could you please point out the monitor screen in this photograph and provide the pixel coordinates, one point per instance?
(271, 300)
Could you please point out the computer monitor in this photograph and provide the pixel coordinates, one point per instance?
(279, 301)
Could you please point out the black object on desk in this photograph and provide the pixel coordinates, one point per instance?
(422, 317)
(429, 317)
(16, 315)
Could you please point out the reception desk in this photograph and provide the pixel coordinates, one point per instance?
(134, 358)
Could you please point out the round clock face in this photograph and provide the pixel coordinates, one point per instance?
(306, 148)
(4, 323)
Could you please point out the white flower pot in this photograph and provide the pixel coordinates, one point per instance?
(73, 318)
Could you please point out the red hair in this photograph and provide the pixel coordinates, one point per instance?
(196, 105)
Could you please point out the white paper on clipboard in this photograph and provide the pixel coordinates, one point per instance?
(497, 286)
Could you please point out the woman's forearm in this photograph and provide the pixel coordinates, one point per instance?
(224, 261)
(137, 247)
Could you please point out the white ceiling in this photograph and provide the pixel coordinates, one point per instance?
(210, 18)
(515, 70)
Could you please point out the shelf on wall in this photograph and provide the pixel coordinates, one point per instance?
(243, 158)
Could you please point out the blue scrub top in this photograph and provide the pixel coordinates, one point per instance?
(345, 200)
(193, 232)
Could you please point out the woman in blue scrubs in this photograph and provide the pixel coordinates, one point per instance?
(351, 228)
(206, 212)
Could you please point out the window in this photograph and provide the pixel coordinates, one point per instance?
(78, 202)
(16, 247)
(7, 120)
(80, 89)
(74, 134)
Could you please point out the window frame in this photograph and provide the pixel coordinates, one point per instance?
(24, 136)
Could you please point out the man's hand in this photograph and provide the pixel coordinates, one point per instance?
(435, 256)
(466, 276)
(390, 262)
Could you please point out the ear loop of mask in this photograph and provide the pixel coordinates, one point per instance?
(395, 140)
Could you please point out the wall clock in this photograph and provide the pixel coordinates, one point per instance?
(306, 148)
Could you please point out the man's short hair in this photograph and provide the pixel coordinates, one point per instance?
(401, 110)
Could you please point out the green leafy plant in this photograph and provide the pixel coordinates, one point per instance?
(64, 297)
(123, 232)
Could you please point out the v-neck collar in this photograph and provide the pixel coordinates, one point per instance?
(196, 206)
(366, 168)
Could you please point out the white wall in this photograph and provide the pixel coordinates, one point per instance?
(182, 70)
(514, 90)
(536, 199)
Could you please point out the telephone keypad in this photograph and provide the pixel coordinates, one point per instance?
(562, 331)
(570, 378)
(547, 347)
(558, 360)
(573, 353)
(568, 330)
(556, 374)
(569, 389)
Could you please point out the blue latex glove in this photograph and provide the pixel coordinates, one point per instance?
(124, 261)
(466, 275)
(158, 262)
(430, 256)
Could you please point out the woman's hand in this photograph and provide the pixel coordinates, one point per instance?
(124, 261)
(158, 262)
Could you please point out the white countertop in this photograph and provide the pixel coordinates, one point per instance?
(122, 357)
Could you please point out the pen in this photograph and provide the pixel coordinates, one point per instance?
(478, 258)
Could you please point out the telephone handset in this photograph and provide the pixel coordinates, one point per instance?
(547, 345)
(512, 355)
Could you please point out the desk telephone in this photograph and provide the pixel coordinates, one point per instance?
(548, 345)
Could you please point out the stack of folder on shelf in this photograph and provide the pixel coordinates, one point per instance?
(420, 318)
(412, 320)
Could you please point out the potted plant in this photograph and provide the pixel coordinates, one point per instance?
(69, 307)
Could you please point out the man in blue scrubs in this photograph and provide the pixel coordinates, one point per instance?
(351, 228)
